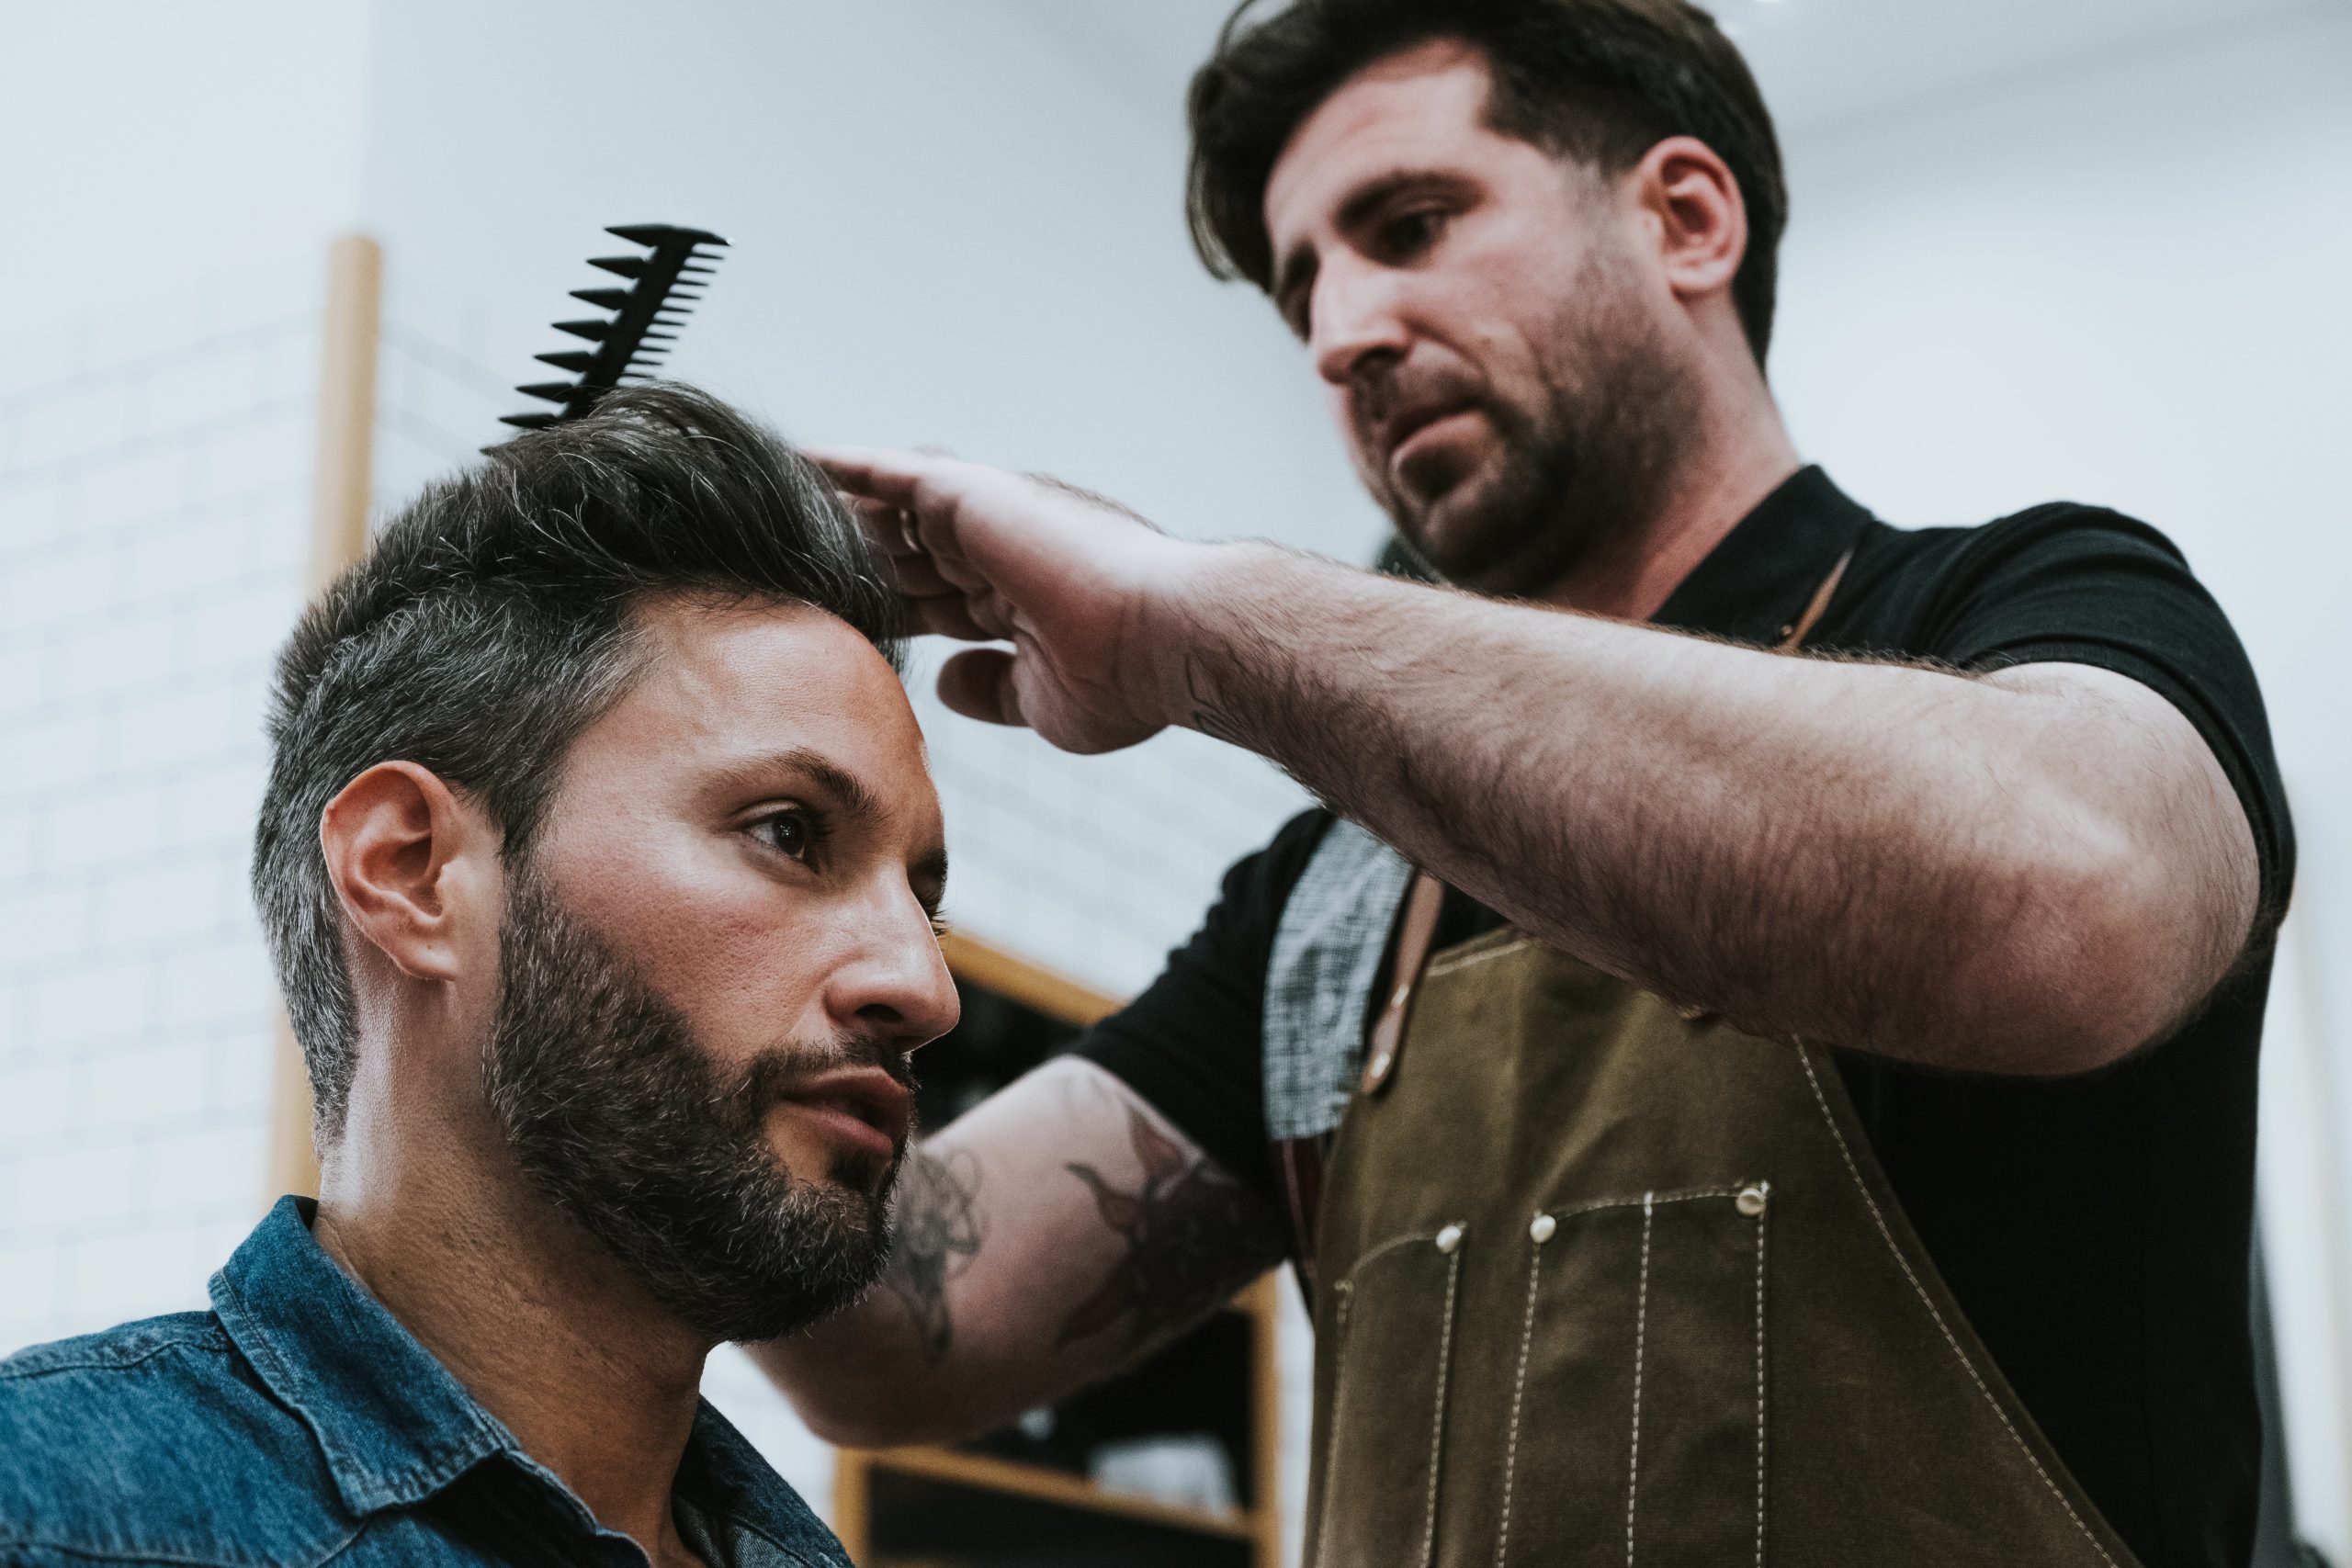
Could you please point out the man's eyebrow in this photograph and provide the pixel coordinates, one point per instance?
(849, 794)
(1299, 268)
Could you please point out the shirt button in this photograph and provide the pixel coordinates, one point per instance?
(1750, 1200)
(1449, 1238)
(1543, 1228)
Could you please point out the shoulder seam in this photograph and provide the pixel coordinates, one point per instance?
(111, 1363)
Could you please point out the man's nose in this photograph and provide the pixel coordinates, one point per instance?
(895, 986)
(1353, 321)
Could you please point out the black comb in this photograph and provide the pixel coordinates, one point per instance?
(628, 344)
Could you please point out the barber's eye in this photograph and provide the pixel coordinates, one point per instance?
(1410, 231)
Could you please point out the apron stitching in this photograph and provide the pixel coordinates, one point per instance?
(1344, 1292)
(1759, 1390)
(1391, 1244)
(1641, 1327)
(1805, 1058)
(1448, 966)
(1437, 1424)
(1646, 1200)
(1518, 1397)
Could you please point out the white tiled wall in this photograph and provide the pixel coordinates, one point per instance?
(154, 472)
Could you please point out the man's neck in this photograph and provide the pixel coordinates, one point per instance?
(1736, 459)
(551, 1336)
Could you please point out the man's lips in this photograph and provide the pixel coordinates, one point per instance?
(1402, 425)
(863, 1106)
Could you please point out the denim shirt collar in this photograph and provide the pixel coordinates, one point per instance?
(395, 1426)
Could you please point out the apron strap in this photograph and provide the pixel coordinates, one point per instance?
(1386, 1041)
(1792, 636)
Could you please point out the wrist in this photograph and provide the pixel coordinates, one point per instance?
(1192, 609)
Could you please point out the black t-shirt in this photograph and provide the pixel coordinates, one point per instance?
(2096, 1230)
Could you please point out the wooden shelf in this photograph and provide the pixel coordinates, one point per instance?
(1023, 980)
(1011, 1477)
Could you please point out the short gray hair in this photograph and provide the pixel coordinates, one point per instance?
(490, 623)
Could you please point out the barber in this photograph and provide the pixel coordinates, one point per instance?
(1755, 1053)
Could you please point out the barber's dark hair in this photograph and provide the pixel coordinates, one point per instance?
(491, 622)
(1599, 81)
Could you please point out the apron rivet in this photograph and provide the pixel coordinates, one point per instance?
(1380, 1065)
(1543, 1228)
(1449, 1238)
(1750, 1200)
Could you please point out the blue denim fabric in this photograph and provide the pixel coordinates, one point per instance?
(298, 1423)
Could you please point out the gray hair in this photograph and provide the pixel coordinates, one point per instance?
(490, 623)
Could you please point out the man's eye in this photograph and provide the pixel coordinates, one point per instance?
(788, 832)
(1408, 233)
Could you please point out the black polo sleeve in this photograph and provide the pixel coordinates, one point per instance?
(1189, 1044)
(2083, 585)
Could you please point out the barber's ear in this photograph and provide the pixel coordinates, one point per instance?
(1700, 222)
(409, 860)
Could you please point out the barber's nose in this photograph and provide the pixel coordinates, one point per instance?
(1353, 320)
(897, 986)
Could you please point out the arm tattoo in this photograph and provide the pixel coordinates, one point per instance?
(1193, 1236)
(937, 1232)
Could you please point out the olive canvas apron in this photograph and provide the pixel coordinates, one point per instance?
(1595, 1281)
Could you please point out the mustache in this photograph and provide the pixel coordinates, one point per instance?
(774, 1074)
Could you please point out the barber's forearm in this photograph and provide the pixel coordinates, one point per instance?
(1045, 1239)
(1890, 858)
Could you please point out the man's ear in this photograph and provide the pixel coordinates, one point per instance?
(406, 857)
(1700, 221)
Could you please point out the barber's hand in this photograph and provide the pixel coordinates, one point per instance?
(1078, 585)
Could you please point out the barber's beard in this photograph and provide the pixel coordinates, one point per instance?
(1583, 472)
(616, 1117)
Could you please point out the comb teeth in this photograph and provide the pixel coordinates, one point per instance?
(645, 320)
(655, 234)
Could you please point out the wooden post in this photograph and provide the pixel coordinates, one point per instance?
(339, 502)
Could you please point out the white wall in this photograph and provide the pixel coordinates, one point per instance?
(172, 175)
(2125, 283)
(150, 142)
(152, 499)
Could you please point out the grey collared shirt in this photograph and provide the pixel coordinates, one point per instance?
(298, 1423)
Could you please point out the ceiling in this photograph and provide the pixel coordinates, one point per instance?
(1820, 61)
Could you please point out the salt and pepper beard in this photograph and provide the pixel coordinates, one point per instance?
(616, 1115)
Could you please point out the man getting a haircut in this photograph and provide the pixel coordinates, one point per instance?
(600, 864)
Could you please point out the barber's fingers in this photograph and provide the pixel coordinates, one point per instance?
(878, 473)
(947, 614)
(978, 684)
(892, 528)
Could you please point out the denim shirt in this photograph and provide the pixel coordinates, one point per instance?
(298, 1423)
